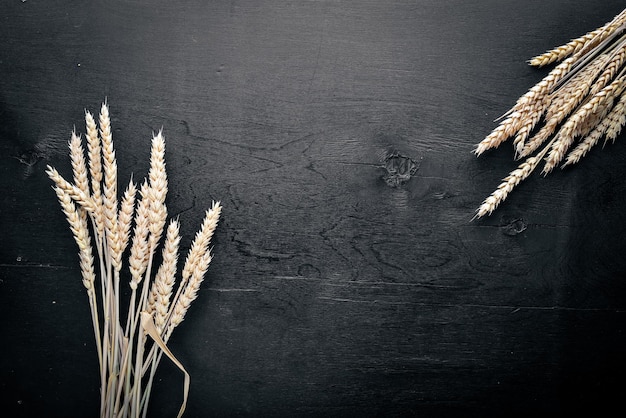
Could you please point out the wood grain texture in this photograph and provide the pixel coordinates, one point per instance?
(348, 279)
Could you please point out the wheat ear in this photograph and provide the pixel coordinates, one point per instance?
(80, 231)
(94, 151)
(77, 219)
(125, 218)
(616, 118)
(164, 280)
(79, 167)
(109, 200)
(563, 51)
(532, 103)
(158, 189)
(587, 143)
(586, 41)
(195, 266)
(138, 260)
(508, 184)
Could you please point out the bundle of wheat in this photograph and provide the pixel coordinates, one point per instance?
(127, 358)
(582, 100)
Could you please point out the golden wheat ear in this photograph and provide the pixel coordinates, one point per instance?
(588, 41)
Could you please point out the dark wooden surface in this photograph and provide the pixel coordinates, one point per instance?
(336, 289)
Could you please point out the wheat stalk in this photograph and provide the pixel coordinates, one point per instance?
(125, 353)
(577, 101)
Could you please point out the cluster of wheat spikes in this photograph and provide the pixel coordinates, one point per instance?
(128, 358)
(581, 101)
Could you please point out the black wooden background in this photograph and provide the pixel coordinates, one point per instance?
(337, 289)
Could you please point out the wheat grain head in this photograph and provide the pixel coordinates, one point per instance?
(504, 189)
(77, 220)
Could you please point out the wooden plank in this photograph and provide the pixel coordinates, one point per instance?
(348, 279)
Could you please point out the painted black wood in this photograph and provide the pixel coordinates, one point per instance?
(348, 279)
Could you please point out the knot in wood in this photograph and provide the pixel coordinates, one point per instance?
(399, 169)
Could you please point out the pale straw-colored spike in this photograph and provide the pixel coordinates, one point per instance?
(190, 292)
(138, 260)
(74, 192)
(79, 167)
(202, 240)
(609, 126)
(609, 31)
(508, 183)
(575, 125)
(165, 277)
(157, 178)
(500, 134)
(616, 118)
(94, 152)
(110, 188)
(538, 92)
(196, 264)
(581, 44)
(157, 175)
(563, 51)
(152, 296)
(587, 143)
(125, 219)
(535, 95)
(94, 148)
(615, 128)
(80, 231)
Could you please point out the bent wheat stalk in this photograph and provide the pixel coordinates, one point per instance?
(580, 101)
(94, 213)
